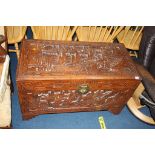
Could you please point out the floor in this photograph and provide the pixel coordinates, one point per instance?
(80, 120)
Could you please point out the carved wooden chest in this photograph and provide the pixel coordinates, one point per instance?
(59, 76)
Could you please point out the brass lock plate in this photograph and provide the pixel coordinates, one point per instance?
(83, 89)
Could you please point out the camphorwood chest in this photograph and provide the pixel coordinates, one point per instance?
(61, 76)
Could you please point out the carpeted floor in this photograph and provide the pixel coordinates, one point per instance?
(80, 120)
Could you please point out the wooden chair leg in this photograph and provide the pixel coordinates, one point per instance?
(17, 50)
(134, 105)
(136, 95)
(133, 54)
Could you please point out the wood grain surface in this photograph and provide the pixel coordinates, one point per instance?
(65, 76)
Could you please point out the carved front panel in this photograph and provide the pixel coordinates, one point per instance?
(52, 100)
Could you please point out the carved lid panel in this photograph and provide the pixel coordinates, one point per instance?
(67, 60)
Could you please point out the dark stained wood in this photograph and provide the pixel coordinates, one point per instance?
(61, 76)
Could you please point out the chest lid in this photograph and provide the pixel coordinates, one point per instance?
(40, 59)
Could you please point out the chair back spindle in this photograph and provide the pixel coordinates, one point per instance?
(53, 32)
(98, 33)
